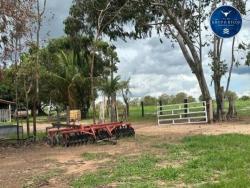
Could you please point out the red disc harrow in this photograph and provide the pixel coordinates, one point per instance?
(67, 135)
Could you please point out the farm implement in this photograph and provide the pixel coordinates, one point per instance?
(69, 135)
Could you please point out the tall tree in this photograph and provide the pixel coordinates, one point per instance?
(26, 79)
(219, 66)
(40, 11)
(94, 18)
(15, 17)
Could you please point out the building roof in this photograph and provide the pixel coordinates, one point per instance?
(6, 102)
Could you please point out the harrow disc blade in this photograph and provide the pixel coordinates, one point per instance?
(91, 139)
(116, 133)
(73, 136)
(131, 131)
(102, 134)
(48, 141)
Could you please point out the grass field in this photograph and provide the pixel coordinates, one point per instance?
(198, 161)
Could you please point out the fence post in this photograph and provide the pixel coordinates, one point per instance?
(142, 109)
(10, 112)
(210, 112)
(160, 102)
(185, 107)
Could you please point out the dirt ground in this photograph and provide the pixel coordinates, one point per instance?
(43, 166)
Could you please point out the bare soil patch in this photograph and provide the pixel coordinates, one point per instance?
(234, 127)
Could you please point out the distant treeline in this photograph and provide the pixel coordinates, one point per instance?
(164, 98)
(171, 99)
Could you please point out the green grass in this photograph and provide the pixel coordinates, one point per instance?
(214, 161)
(7, 123)
(39, 135)
(22, 121)
(128, 171)
(198, 161)
(136, 114)
(42, 179)
(243, 107)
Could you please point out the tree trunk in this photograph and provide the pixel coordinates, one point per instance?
(218, 72)
(35, 103)
(203, 84)
(127, 109)
(34, 119)
(93, 93)
(92, 66)
(27, 118)
(231, 67)
(232, 113)
(16, 92)
(40, 13)
(109, 107)
(113, 108)
(219, 94)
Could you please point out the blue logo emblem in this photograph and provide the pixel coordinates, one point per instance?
(226, 22)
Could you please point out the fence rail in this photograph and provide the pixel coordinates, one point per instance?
(195, 112)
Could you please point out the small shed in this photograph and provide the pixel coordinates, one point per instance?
(5, 110)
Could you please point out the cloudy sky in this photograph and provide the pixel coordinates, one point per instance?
(156, 68)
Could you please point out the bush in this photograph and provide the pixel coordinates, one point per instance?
(245, 98)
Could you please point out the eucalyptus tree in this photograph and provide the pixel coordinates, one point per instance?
(39, 9)
(15, 19)
(26, 82)
(218, 66)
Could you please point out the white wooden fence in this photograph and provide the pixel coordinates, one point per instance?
(5, 115)
(186, 113)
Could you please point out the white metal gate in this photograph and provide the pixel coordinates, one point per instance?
(195, 112)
